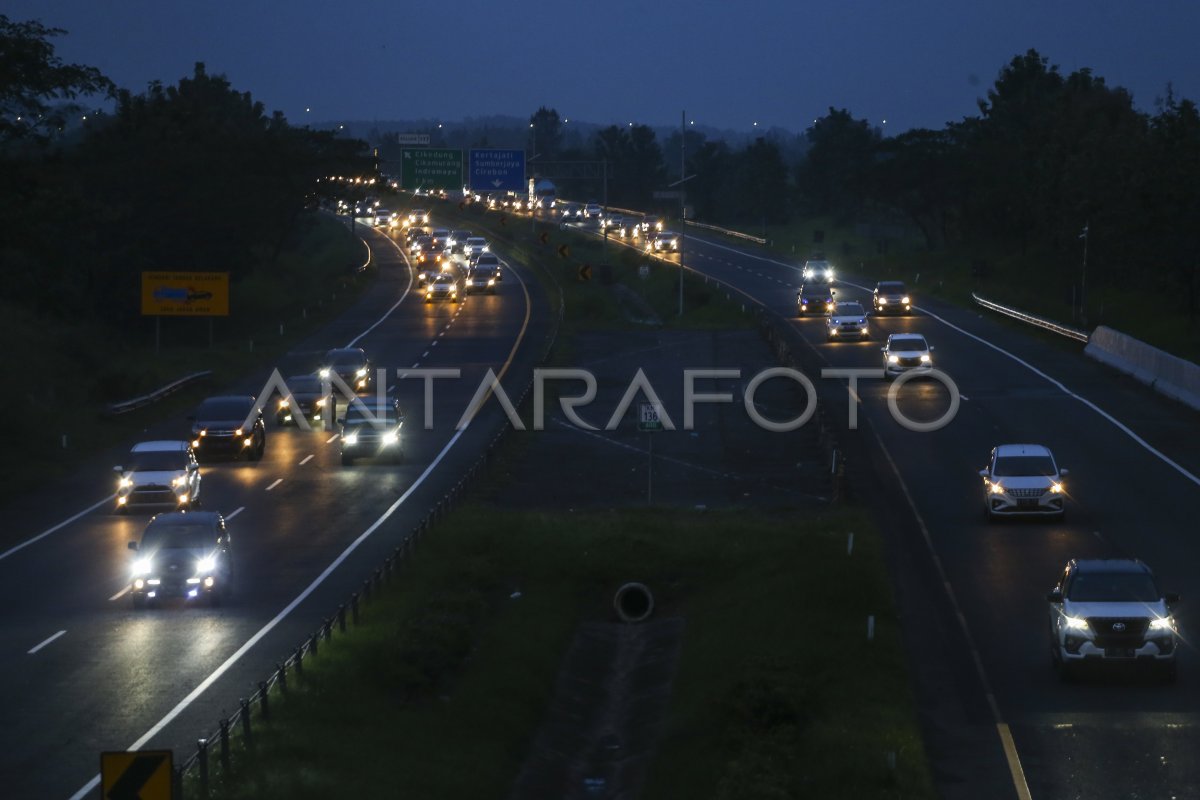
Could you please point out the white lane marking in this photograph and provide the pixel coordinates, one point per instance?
(440, 335)
(119, 594)
(415, 365)
(253, 640)
(276, 483)
(1055, 382)
(388, 313)
(235, 512)
(48, 641)
(307, 459)
(434, 343)
(49, 531)
(331, 439)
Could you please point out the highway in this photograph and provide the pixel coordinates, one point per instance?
(973, 593)
(82, 672)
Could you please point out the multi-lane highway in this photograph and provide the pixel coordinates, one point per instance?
(1134, 459)
(82, 672)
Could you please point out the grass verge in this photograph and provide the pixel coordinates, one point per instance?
(440, 690)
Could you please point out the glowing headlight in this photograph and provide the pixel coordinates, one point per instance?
(362, 373)
(142, 567)
(283, 402)
(391, 437)
(883, 301)
(206, 564)
(492, 282)
(350, 438)
(925, 359)
(183, 498)
(124, 483)
(996, 488)
(179, 481)
(1162, 624)
(203, 433)
(833, 331)
(324, 373)
(321, 403)
(906, 300)
(893, 359)
(1076, 623)
(237, 433)
(1057, 488)
(195, 442)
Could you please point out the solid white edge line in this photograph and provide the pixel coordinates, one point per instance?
(331, 439)
(407, 289)
(48, 641)
(253, 640)
(234, 513)
(305, 460)
(119, 594)
(49, 531)
(276, 483)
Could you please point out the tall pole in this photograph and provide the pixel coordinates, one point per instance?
(1083, 279)
(603, 220)
(682, 206)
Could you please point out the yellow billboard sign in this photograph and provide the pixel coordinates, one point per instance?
(185, 294)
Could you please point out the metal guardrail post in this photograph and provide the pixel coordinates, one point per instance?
(281, 675)
(224, 743)
(341, 617)
(300, 661)
(202, 760)
(313, 641)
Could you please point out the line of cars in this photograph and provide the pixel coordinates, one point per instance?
(1100, 611)
(439, 274)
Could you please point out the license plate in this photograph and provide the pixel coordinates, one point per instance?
(1118, 652)
(1027, 503)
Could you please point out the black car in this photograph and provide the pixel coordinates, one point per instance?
(891, 297)
(372, 430)
(488, 261)
(350, 364)
(230, 425)
(458, 241)
(814, 298)
(182, 554)
(481, 279)
(308, 400)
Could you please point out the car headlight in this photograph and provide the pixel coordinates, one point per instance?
(206, 564)
(142, 566)
(324, 373)
(350, 438)
(124, 483)
(492, 282)
(362, 373)
(925, 358)
(1075, 623)
(391, 437)
(283, 402)
(883, 301)
(862, 322)
(833, 331)
(179, 481)
(906, 300)
(893, 359)
(237, 433)
(321, 403)
(203, 432)
(1162, 624)
(1057, 488)
(996, 488)
(195, 442)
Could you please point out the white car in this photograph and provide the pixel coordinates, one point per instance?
(663, 242)
(1111, 611)
(418, 216)
(592, 211)
(383, 218)
(846, 320)
(159, 473)
(817, 270)
(1023, 480)
(906, 352)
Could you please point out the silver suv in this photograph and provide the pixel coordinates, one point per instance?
(1023, 480)
(1111, 611)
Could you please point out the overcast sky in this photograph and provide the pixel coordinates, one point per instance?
(921, 63)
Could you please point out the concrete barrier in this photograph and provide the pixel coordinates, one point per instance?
(1163, 372)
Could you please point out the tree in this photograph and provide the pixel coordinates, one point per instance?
(833, 177)
(35, 84)
(545, 137)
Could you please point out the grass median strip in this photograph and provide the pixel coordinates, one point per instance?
(443, 687)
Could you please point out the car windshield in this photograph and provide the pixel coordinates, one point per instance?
(486, 259)
(1113, 587)
(304, 384)
(1017, 466)
(156, 460)
(476, 240)
(225, 408)
(891, 287)
(178, 536)
(368, 413)
(815, 291)
(908, 343)
(848, 310)
(346, 358)
(484, 272)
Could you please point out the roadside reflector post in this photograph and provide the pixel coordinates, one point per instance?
(850, 544)
(871, 628)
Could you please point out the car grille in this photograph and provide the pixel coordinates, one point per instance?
(910, 362)
(152, 494)
(1133, 635)
(1026, 493)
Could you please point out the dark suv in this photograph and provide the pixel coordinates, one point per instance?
(230, 425)
(1111, 611)
(891, 297)
(814, 298)
(350, 364)
(370, 430)
(182, 554)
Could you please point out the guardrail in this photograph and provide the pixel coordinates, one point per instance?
(1031, 319)
(115, 409)
(726, 231)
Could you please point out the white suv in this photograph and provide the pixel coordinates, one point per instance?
(163, 473)
(1023, 479)
(1111, 610)
(906, 352)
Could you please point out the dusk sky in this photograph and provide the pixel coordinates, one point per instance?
(775, 62)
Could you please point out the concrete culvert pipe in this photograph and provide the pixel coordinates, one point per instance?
(633, 602)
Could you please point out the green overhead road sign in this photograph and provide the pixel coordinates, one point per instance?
(431, 168)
